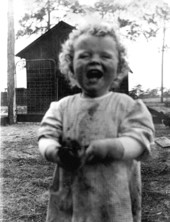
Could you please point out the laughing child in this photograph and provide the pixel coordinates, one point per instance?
(98, 137)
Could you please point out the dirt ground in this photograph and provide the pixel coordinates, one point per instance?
(26, 177)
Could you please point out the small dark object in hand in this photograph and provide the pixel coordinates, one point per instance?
(69, 155)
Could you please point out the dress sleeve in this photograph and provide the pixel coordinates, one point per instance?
(138, 124)
(51, 124)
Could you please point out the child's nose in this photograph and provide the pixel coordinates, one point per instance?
(95, 59)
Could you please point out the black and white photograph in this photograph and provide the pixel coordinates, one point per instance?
(85, 111)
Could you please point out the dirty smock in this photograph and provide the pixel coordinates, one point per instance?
(102, 191)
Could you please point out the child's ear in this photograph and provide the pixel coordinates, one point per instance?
(71, 68)
(72, 72)
(72, 79)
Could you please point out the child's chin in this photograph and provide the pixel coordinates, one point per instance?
(92, 93)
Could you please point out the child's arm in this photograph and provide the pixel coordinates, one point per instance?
(117, 149)
(135, 136)
(67, 157)
(50, 131)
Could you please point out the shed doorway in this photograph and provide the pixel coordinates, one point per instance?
(42, 88)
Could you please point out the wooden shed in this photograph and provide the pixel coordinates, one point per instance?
(45, 83)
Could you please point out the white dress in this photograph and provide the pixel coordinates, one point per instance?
(102, 191)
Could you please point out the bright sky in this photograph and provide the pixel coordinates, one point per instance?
(144, 58)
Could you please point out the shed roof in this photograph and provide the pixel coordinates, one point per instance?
(57, 28)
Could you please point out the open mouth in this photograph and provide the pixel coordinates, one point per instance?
(94, 74)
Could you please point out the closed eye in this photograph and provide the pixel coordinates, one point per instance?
(106, 56)
(84, 55)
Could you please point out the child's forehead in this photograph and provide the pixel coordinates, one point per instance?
(86, 39)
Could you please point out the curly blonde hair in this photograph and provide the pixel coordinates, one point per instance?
(99, 30)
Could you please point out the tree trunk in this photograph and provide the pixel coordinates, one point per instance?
(49, 15)
(162, 64)
(11, 65)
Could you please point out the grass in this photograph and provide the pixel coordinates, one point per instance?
(27, 177)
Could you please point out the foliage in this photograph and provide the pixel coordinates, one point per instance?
(156, 19)
(163, 11)
(108, 7)
(138, 92)
(166, 93)
(153, 28)
(152, 92)
(146, 18)
(43, 15)
(115, 12)
(133, 19)
(167, 104)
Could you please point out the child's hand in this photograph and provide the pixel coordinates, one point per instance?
(51, 154)
(110, 149)
(97, 149)
(63, 156)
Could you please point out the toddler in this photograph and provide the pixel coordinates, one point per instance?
(98, 137)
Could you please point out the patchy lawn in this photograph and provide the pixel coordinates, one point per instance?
(26, 177)
(156, 182)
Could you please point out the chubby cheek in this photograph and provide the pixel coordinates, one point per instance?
(79, 70)
(112, 70)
